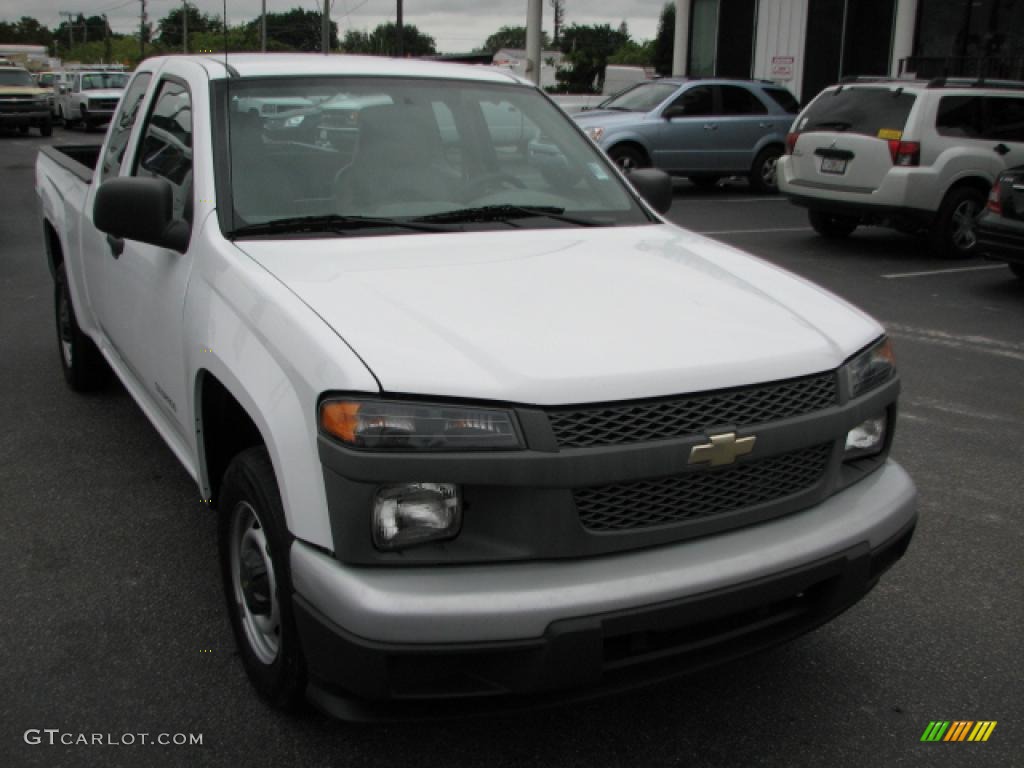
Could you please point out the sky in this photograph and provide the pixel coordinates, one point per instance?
(456, 25)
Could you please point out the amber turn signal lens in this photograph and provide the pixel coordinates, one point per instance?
(340, 419)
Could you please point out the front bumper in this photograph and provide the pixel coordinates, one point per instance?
(376, 635)
(25, 116)
(999, 240)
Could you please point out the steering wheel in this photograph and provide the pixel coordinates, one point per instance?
(483, 184)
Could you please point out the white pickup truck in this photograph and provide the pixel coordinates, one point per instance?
(476, 431)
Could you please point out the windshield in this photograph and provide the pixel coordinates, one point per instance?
(104, 80)
(641, 98)
(15, 77)
(329, 156)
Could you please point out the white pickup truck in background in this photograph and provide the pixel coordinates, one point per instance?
(89, 99)
(478, 426)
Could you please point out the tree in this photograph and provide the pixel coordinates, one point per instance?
(558, 11)
(634, 54)
(512, 37)
(172, 30)
(665, 41)
(296, 29)
(586, 49)
(382, 41)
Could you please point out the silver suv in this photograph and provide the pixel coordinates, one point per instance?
(702, 129)
(916, 155)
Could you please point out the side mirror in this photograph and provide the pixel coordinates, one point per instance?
(654, 186)
(674, 111)
(140, 209)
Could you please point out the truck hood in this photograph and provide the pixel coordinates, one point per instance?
(103, 93)
(559, 316)
(23, 90)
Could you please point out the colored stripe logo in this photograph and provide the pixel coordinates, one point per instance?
(958, 730)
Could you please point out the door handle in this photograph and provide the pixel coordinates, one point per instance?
(116, 246)
(764, 125)
(710, 127)
(1001, 149)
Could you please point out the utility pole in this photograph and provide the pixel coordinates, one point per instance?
(71, 27)
(400, 31)
(325, 43)
(142, 30)
(263, 27)
(534, 14)
(107, 53)
(184, 26)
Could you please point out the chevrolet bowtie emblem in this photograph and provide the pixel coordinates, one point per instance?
(724, 449)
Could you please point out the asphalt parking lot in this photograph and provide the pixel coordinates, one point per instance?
(112, 618)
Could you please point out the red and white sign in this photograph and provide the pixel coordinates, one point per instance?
(782, 67)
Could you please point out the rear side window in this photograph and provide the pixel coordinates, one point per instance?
(740, 101)
(880, 112)
(784, 99)
(981, 117)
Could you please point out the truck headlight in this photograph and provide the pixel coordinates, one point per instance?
(415, 513)
(403, 426)
(595, 133)
(866, 439)
(871, 368)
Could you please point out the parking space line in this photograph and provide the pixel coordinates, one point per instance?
(755, 231)
(981, 344)
(929, 273)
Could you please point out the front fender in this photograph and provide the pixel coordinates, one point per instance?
(275, 357)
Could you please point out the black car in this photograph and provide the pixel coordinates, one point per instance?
(1000, 227)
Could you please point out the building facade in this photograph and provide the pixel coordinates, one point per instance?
(809, 44)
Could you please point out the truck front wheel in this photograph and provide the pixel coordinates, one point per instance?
(84, 368)
(46, 127)
(254, 566)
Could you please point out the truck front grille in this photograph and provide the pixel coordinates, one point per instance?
(702, 494)
(640, 421)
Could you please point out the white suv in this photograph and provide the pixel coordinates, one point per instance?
(915, 155)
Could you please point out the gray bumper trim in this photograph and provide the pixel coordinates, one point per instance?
(517, 601)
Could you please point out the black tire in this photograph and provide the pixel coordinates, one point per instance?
(952, 234)
(704, 182)
(832, 226)
(628, 157)
(763, 173)
(84, 368)
(253, 543)
(46, 128)
(1018, 270)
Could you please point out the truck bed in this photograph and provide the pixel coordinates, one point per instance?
(81, 160)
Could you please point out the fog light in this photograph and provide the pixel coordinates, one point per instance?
(866, 439)
(415, 513)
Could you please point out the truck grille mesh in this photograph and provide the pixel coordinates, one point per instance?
(702, 494)
(635, 422)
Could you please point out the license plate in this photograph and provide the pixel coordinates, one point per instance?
(833, 165)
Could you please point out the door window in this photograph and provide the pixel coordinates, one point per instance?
(696, 102)
(121, 127)
(740, 101)
(166, 150)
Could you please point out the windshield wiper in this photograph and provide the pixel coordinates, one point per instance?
(330, 223)
(508, 213)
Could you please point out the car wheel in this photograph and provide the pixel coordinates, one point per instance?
(832, 226)
(84, 368)
(628, 158)
(764, 173)
(953, 235)
(46, 128)
(704, 182)
(1018, 270)
(253, 542)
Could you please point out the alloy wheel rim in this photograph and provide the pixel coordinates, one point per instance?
(964, 217)
(254, 583)
(769, 171)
